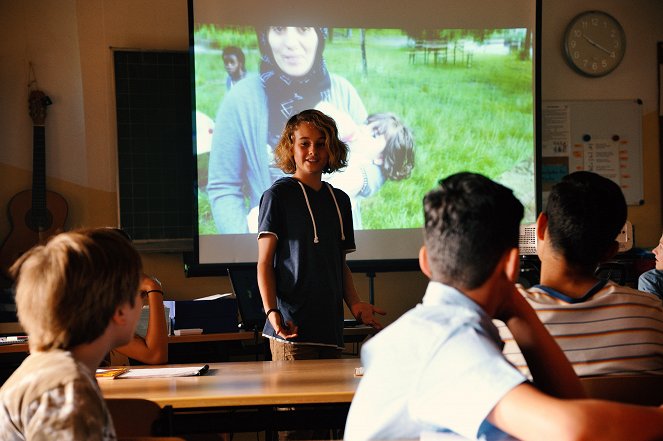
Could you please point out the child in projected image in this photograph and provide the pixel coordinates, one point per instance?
(379, 150)
(234, 63)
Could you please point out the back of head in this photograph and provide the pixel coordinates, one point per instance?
(585, 213)
(470, 222)
(398, 154)
(337, 149)
(68, 289)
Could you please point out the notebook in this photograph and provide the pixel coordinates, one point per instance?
(244, 283)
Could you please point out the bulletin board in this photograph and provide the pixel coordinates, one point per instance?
(600, 136)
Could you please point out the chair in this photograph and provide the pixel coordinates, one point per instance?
(135, 417)
(615, 271)
(634, 389)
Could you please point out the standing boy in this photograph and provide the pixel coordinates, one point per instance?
(305, 231)
(77, 298)
(440, 367)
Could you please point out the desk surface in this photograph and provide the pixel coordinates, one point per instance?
(247, 383)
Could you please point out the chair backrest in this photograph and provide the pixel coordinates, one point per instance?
(615, 271)
(634, 389)
(135, 417)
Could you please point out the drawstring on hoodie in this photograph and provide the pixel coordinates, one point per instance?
(310, 212)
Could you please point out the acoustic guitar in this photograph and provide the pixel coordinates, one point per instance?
(35, 214)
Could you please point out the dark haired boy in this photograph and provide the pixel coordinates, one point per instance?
(602, 327)
(234, 63)
(440, 367)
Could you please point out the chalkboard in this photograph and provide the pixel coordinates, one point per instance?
(155, 151)
(600, 136)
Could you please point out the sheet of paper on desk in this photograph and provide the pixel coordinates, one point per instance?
(188, 371)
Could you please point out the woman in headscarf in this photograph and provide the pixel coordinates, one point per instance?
(293, 77)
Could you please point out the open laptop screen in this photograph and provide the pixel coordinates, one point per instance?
(244, 283)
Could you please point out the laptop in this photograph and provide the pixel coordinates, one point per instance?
(244, 284)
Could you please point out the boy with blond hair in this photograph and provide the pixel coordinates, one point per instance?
(77, 298)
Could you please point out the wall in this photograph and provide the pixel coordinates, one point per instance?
(68, 42)
(636, 77)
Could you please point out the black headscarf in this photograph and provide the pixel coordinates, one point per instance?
(286, 95)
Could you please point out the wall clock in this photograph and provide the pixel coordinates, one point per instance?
(594, 43)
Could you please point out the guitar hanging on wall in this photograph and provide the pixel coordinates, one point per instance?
(35, 214)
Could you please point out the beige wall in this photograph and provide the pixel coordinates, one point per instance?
(68, 42)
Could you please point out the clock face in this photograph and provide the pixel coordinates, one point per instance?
(594, 43)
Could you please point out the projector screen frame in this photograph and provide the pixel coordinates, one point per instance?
(192, 264)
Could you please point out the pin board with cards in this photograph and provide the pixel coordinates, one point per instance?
(603, 136)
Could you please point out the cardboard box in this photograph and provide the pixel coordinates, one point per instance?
(212, 314)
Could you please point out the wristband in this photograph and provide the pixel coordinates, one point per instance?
(154, 290)
(273, 310)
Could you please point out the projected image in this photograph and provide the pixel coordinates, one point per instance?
(412, 105)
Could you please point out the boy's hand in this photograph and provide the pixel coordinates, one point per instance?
(365, 313)
(284, 329)
(512, 305)
(149, 283)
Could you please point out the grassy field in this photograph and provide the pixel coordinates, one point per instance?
(475, 118)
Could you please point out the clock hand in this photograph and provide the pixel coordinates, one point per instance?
(595, 44)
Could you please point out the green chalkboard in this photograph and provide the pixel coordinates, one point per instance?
(155, 152)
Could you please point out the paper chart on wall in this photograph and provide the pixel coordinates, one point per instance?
(600, 136)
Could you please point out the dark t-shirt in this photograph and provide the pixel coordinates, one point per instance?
(309, 274)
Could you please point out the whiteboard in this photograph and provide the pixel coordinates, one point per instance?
(601, 136)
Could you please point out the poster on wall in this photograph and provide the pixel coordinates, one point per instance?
(604, 137)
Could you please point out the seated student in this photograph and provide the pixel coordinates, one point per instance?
(77, 298)
(602, 327)
(439, 367)
(652, 280)
(153, 348)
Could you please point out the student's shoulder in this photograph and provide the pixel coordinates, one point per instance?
(44, 371)
(283, 189)
(282, 185)
(612, 290)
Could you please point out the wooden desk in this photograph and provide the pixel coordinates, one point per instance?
(16, 347)
(250, 396)
(248, 383)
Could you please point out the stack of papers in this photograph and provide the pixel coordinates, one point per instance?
(188, 371)
(13, 339)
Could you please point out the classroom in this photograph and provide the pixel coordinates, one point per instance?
(67, 46)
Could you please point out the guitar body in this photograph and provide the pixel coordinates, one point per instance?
(25, 233)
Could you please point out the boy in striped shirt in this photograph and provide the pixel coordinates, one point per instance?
(602, 327)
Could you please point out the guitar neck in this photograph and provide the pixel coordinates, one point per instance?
(39, 175)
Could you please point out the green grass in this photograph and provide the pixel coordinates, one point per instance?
(476, 118)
